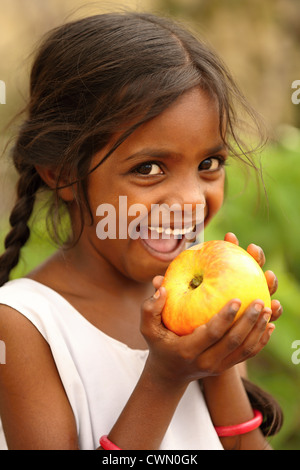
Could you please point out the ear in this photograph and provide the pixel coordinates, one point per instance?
(49, 177)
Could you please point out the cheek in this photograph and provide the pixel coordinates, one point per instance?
(214, 200)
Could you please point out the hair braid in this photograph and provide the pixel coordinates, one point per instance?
(27, 187)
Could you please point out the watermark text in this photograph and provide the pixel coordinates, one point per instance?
(296, 354)
(296, 94)
(2, 92)
(159, 222)
(2, 352)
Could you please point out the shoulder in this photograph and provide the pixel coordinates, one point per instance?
(24, 298)
(16, 329)
(24, 345)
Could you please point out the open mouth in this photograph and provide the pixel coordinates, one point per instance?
(166, 243)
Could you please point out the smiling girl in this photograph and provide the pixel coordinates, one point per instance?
(124, 105)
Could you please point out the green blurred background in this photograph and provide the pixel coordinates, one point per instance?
(260, 42)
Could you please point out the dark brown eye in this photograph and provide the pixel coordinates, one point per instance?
(148, 169)
(211, 164)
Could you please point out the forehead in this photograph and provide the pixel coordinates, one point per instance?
(189, 126)
(192, 120)
(198, 107)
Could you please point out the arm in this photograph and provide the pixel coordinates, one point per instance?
(147, 415)
(228, 404)
(34, 408)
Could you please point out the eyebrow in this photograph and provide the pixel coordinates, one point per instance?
(163, 153)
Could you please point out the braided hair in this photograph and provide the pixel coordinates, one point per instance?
(27, 187)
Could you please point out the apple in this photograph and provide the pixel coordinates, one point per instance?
(203, 278)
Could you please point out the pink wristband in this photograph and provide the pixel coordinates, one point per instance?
(106, 444)
(243, 428)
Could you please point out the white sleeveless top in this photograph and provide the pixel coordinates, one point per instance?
(99, 373)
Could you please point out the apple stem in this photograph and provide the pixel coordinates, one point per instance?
(196, 281)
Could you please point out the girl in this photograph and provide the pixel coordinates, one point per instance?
(123, 105)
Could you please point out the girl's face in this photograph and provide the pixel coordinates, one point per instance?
(176, 158)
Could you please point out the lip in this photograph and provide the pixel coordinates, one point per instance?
(168, 257)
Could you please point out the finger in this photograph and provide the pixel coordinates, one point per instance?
(263, 341)
(157, 282)
(152, 309)
(206, 335)
(245, 325)
(230, 237)
(257, 253)
(252, 341)
(277, 309)
(272, 281)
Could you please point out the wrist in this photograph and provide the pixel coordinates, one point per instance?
(163, 381)
(227, 376)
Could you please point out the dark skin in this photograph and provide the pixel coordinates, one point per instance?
(118, 276)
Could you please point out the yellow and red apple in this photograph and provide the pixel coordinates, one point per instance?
(203, 278)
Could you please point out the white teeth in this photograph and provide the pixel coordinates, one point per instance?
(176, 231)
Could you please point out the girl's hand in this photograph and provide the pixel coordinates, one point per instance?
(259, 256)
(211, 349)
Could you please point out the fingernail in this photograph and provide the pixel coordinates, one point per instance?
(279, 308)
(267, 311)
(157, 294)
(234, 307)
(266, 317)
(258, 308)
(271, 328)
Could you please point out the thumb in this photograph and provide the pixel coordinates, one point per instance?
(152, 307)
(157, 281)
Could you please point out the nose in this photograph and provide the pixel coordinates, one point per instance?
(186, 197)
(186, 191)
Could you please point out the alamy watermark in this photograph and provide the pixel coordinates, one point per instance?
(2, 92)
(2, 352)
(2, 101)
(296, 354)
(160, 222)
(296, 94)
